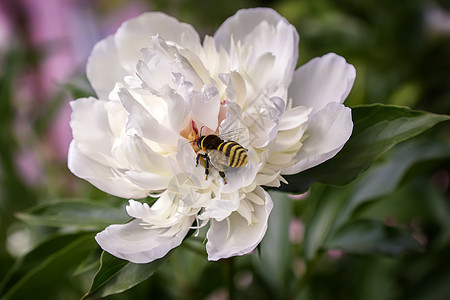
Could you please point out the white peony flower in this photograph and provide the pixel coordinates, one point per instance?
(158, 86)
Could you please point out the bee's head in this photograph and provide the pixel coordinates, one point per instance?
(200, 140)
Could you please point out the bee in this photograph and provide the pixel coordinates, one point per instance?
(221, 154)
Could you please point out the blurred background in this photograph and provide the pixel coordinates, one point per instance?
(401, 51)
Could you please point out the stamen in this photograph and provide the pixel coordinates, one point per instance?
(228, 227)
(200, 224)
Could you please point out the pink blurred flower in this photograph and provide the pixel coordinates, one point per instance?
(296, 231)
(29, 167)
(5, 32)
(335, 253)
(299, 196)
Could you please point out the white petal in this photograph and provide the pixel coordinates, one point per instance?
(328, 131)
(238, 237)
(105, 178)
(91, 128)
(233, 123)
(142, 123)
(187, 189)
(137, 244)
(162, 61)
(148, 181)
(154, 74)
(261, 71)
(165, 212)
(263, 117)
(141, 157)
(239, 177)
(176, 109)
(294, 117)
(186, 161)
(117, 116)
(289, 140)
(140, 210)
(206, 106)
(221, 207)
(265, 31)
(135, 34)
(241, 24)
(268, 179)
(236, 90)
(103, 67)
(322, 80)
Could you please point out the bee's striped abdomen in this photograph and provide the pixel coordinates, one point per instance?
(236, 153)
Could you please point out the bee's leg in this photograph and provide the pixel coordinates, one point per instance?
(222, 174)
(206, 157)
(201, 158)
(204, 160)
(197, 159)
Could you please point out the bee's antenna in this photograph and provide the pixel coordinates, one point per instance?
(201, 130)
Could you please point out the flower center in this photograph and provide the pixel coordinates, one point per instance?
(193, 129)
(191, 133)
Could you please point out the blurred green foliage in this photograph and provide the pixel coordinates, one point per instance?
(384, 235)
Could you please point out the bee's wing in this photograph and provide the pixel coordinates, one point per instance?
(218, 159)
(233, 128)
(233, 135)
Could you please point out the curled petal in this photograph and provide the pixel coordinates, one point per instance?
(177, 109)
(294, 117)
(233, 126)
(328, 131)
(266, 32)
(137, 243)
(91, 128)
(221, 207)
(141, 157)
(234, 235)
(206, 106)
(135, 34)
(161, 62)
(322, 80)
(186, 161)
(263, 118)
(142, 123)
(242, 23)
(104, 54)
(103, 177)
(150, 181)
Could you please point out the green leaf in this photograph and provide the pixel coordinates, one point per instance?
(116, 275)
(323, 207)
(89, 263)
(275, 255)
(74, 213)
(377, 128)
(79, 87)
(372, 237)
(384, 178)
(329, 208)
(49, 262)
